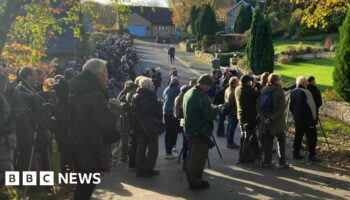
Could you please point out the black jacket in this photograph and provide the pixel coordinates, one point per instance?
(92, 124)
(148, 111)
(246, 99)
(316, 94)
(300, 109)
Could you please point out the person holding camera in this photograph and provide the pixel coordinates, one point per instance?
(230, 108)
(92, 124)
(246, 99)
(198, 117)
(271, 108)
(28, 108)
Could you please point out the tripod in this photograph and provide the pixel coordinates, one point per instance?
(217, 148)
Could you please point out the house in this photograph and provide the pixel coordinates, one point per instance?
(63, 45)
(232, 13)
(150, 22)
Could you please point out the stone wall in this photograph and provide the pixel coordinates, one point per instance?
(336, 110)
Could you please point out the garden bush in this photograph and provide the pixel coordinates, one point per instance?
(114, 30)
(92, 40)
(331, 95)
(243, 63)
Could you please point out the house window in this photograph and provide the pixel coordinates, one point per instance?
(161, 28)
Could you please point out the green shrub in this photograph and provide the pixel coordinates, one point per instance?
(206, 23)
(341, 73)
(193, 46)
(304, 31)
(114, 30)
(94, 39)
(207, 41)
(244, 19)
(260, 52)
(243, 63)
(331, 95)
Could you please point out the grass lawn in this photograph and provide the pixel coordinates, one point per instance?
(322, 69)
(313, 42)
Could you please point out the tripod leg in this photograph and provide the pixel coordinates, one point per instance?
(178, 160)
(30, 163)
(324, 134)
(217, 147)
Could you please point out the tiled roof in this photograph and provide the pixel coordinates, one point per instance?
(156, 15)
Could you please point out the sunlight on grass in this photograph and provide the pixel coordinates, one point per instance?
(316, 41)
(322, 69)
(282, 45)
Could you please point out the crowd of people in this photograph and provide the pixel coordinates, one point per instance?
(84, 115)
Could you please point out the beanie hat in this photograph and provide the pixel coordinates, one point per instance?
(245, 79)
(310, 79)
(206, 79)
(129, 86)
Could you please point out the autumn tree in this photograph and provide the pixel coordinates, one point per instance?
(26, 26)
(317, 13)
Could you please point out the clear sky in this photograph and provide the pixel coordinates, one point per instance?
(161, 3)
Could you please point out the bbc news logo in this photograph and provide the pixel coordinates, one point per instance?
(47, 178)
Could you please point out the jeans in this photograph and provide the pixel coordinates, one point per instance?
(232, 125)
(311, 135)
(172, 128)
(221, 125)
(267, 145)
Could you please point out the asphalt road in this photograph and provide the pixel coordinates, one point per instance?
(228, 180)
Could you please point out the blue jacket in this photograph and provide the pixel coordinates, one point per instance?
(169, 95)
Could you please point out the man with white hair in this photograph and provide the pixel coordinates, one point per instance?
(148, 115)
(92, 124)
(303, 108)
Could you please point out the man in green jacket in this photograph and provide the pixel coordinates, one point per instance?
(271, 109)
(199, 116)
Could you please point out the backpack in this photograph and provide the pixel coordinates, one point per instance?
(250, 148)
(265, 103)
(178, 110)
